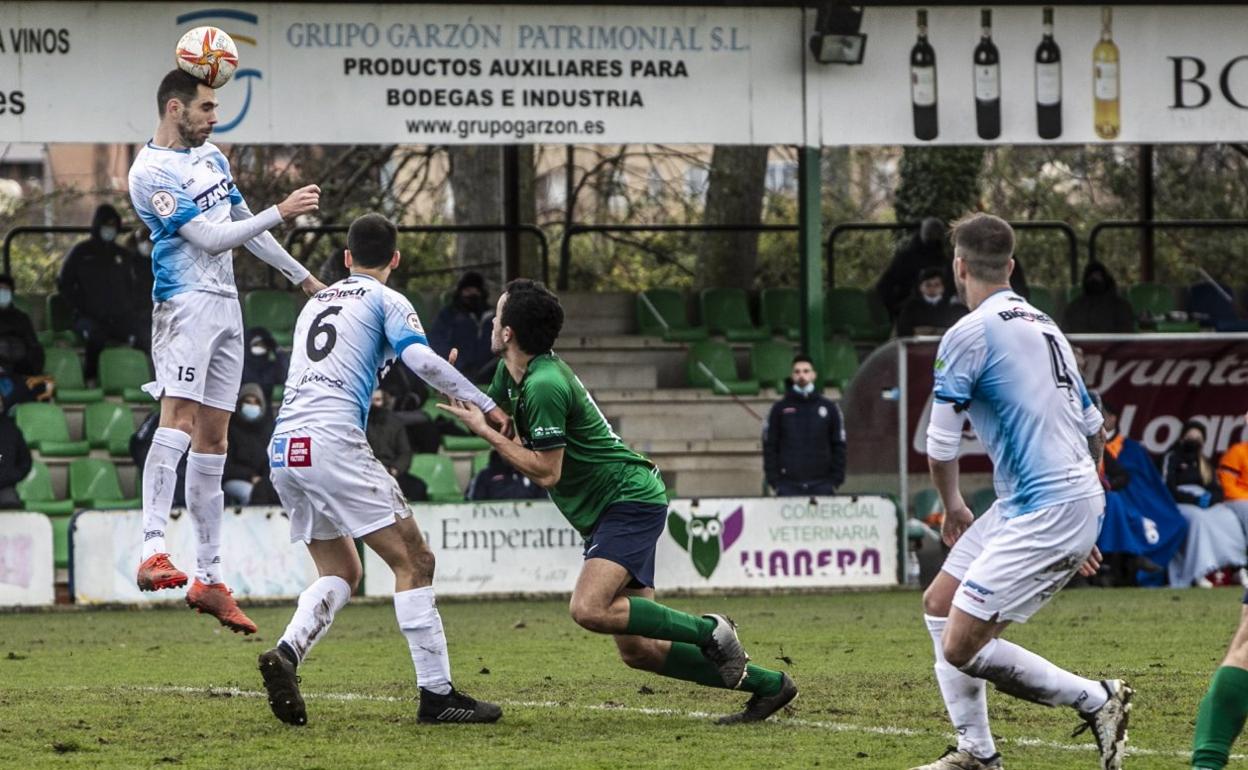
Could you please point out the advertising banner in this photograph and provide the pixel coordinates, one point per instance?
(258, 560)
(722, 544)
(26, 556)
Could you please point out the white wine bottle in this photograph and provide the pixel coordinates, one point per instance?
(923, 83)
(987, 81)
(1105, 80)
(1048, 82)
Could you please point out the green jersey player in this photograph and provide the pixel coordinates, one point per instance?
(614, 497)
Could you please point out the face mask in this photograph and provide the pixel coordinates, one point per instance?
(932, 300)
(806, 389)
(1191, 446)
(108, 234)
(6, 297)
(145, 249)
(251, 412)
(259, 350)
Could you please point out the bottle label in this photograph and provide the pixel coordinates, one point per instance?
(1105, 80)
(923, 86)
(987, 82)
(1049, 83)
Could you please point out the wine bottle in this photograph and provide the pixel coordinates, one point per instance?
(1048, 82)
(923, 83)
(987, 81)
(1105, 80)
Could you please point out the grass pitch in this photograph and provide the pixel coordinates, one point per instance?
(167, 688)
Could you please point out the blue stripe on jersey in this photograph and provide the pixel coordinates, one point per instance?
(415, 339)
(164, 284)
(236, 197)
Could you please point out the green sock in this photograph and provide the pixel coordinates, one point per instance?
(1220, 718)
(654, 621)
(686, 662)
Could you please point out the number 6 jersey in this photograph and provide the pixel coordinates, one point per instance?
(345, 337)
(1011, 368)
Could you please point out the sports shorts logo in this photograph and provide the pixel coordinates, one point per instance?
(164, 204)
(293, 452)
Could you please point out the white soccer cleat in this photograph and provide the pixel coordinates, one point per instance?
(961, 759)
(725, 651)
(1109, 724)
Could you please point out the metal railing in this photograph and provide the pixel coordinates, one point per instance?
(573, 230)
(542, 241)
(1146, 270)
(1072, 240)
(12, 235)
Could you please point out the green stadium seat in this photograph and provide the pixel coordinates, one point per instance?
(123, 372)
(711, 365)
(727, 312)
(438, 473)
(1151, 299)
(60, 539)
(65, 368)
(841, 363)
(108, 425)
(37, 495)
(452, 443)
(781, 310)
(1044, 299)
(771, 362)
(45, 429)
(93, 483)
(273, 310)
(981, 500)
(856, 314)
(1177, 327)
(661, 313)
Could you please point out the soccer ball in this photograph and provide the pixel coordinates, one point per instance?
(209, 54)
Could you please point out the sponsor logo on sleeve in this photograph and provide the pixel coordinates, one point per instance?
(164, 204)
(413, 321)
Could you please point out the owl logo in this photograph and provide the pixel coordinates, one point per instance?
(706, 537)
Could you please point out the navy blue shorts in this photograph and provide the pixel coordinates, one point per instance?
(627, 534)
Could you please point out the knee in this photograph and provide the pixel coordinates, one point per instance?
(587, 615)
(422, 560)
(935, 602)
(351, 576)
(958, 654)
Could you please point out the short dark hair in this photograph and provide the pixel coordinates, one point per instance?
(802, 358)
(986, 243)
(179, 85)
(534, 314)
(371, 239)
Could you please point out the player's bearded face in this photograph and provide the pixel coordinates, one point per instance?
(196, 120)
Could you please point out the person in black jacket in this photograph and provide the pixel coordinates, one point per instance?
(15, 461)
(20, 351)
(246, 477)
(1099, 309)
(465, 325)
(925, 249)
(96, 280)
(263, 362)
(804, 438)
(930, 309)
(500, 481)
(387, 437)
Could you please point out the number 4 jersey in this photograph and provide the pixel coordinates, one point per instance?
(345, 336)
(1011, 368)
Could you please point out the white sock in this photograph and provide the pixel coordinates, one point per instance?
(318, 604)
(160, 479)
(417, 611)
(1024, 674)
(206, 502)
(966, 698)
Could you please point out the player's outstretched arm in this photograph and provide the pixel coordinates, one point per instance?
(217, 238)
(268, 250)
(445, 378)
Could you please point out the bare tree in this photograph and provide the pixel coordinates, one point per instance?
(734, 195)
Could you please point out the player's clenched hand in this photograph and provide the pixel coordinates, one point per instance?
(956, 522)
(1093, 563)
(470, 414)
(501, 420)
(305, 200)
(311, 285)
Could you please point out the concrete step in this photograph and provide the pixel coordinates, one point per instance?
(719, 483)
(636, 429)
(599, 312)
(605, 374)
(750, 447)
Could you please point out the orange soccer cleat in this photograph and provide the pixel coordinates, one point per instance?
(218, 601)
(158, 572)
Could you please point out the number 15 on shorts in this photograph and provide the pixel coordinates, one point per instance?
(186, 374)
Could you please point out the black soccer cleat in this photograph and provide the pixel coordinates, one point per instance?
(282, 684)
(759, 707)
(455, 706)
(724, 649)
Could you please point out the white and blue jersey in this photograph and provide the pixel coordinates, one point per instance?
(344, 339)
(169, 188)
(1010, 367)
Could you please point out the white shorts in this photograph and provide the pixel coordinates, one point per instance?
(1010, 568)
(197, 349)
(331, 484)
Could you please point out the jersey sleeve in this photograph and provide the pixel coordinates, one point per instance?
(402, 325)
(161, 202)
(547, 403)
(959, 364)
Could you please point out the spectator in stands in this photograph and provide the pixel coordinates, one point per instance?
(20, 351)
(924, 249)
(930, 309)
(804, 438)
(408, 394)
(97, 279)
(1099, 309)
(1233, 477)
(1215, 539)
(466, 325)
(499, 481)
(246, 477)
(388, 439)
(15, 460)
(141, 443)
(263, 362)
